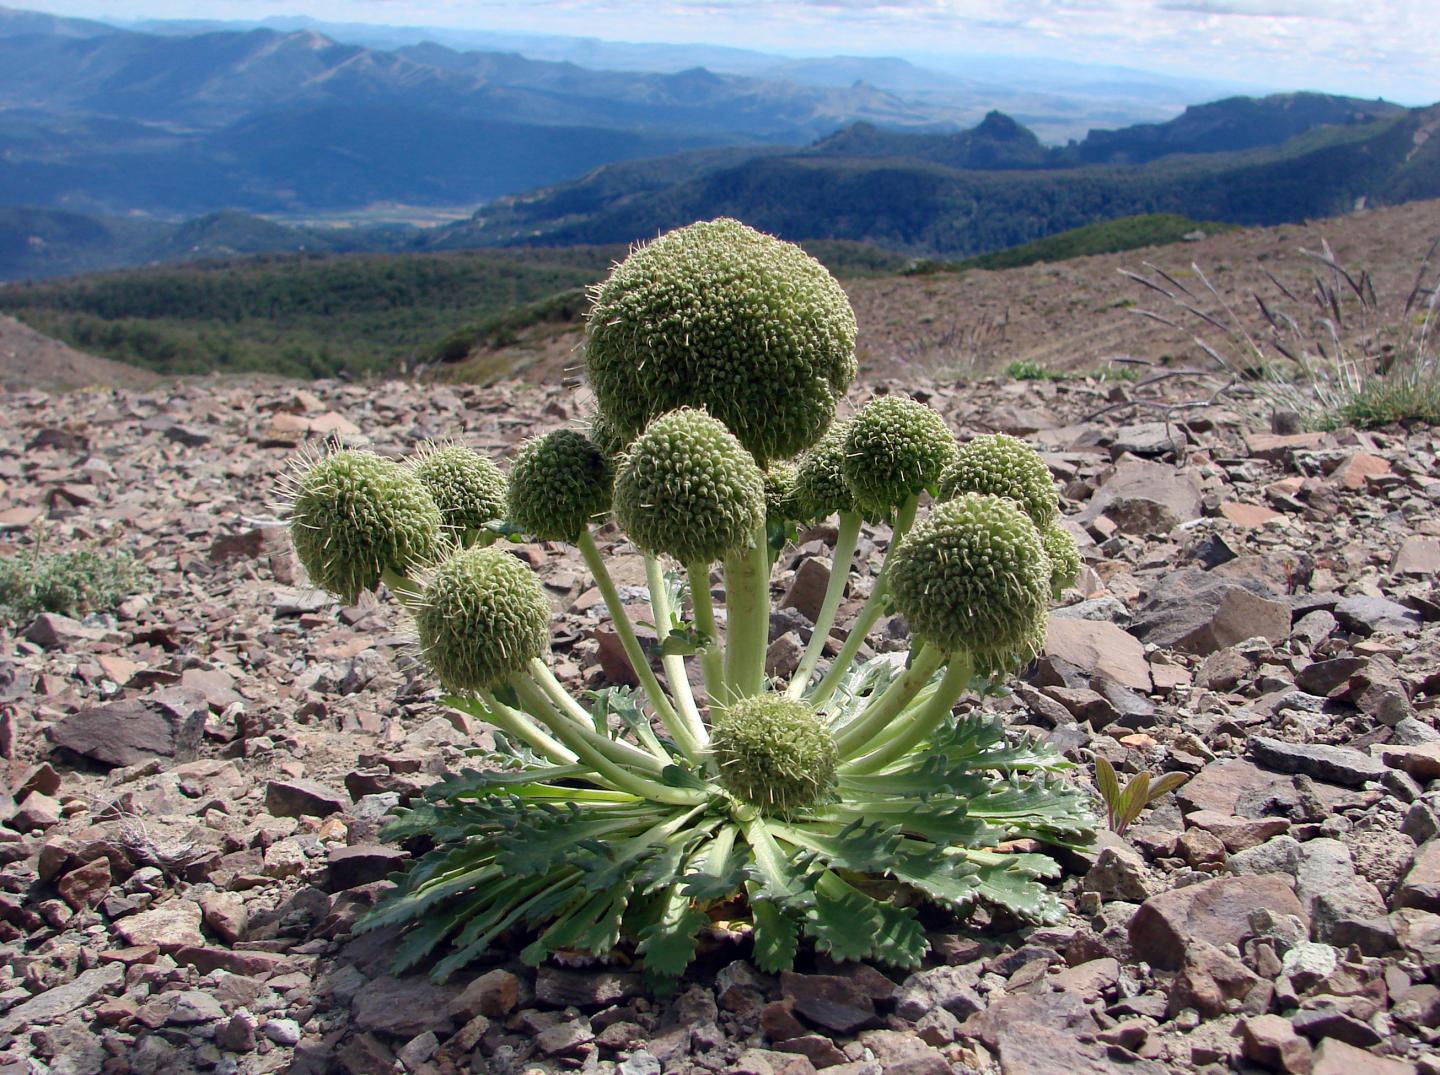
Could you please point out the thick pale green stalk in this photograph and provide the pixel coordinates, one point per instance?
(712, 660)
(559, 698)
(845, 542)
(919, 724)
(747, 610)
(406, 591)
(675, 671)
(869, 612)
(517, 725)
(589, 748)
(678, 730)
(882, 710)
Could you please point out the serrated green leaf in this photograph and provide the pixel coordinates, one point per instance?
(684, 641)
(1015, 889)
(842, 920)
(777, 937)
(774, 873)
(668, 943)
(713, 878)
(590, 924)
(949, 880)
(900, 941)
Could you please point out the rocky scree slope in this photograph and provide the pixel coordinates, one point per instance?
(194, 782)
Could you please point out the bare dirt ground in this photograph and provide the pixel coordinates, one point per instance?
(31, 360)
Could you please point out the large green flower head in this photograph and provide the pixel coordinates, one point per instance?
(719, 316)
(774, 752)
(894, 448)
(559, 483)
(973, 577)
(354, 514)
(1001, 465)
(468, 489)
(1064, 557)
(685, 487)
(481, 617)
(820, 489)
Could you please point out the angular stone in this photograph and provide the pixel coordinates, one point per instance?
(1358, 468)
(1145, 498)
(171, 925)
(494, 994)
(225, 914)
(1327, 886)
(51, 630)
(1212, 911)
(1367, 615)
(1421, 886)
(299, 798)
(1271, 1042)
(829, 1001)
(1248, 516)
(167, 724)
(950, 988)
(1334, 1057)
(806, 591)
(61, 1000)
(1099, 648)
(1417, 556)
(559, 988)
(1236, 787)
(1421, 761)
(86, 886)
(1237, 833)
(360, 864)
(1212, 982)
(403, 1007)
(1337, 765)
(1196, 612)
(1029, 1048)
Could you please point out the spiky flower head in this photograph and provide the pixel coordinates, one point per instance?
(894, 448)
(820, 489)
(353, 514)
(686, 488)
(481, 616)
(1064, 557)
(973, 577)
(779, 479)
(775, 753)
(468, 489)
(720, 316)
(1002, 465)
(559, 484)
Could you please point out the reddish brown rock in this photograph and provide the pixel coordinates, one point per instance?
(1216, 912)
(87, 886)
(1271, 1042)
(1099, 648)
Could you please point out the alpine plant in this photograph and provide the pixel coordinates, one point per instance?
(822, 810)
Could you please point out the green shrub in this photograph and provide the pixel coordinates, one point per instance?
(73, 583)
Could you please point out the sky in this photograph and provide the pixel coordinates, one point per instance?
(1365, 48)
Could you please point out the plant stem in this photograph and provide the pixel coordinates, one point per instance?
(869, 612)
(589, 748)
(679, 731)
(852, 738)
(712, 659)
(558, 698)
(675, 670)
(514, 724)
(922, 722)
(747, 605)
(405, 591)
(845, 543)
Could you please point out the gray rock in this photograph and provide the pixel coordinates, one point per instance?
(1331, 891)
(571, 989)
(949, 988)
(403, 1007)
(281, 1031)
(1145, 498)
(1196, 612)
(1338, 765)
(1216, 912)
(51, 630)
(1367, 615)
(50, 1005)
(168, 724)
(298, 798)
(829, 1001)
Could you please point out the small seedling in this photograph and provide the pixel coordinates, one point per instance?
(1123, 807)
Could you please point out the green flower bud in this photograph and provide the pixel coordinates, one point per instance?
(481, 617)
(468, 489)
(972, 576)
(1064, 557)
(894, 448)
(559, 483)
(1003, 466)
(354, 514)
(685, 487)
(779, 479)
(820, 489)
(719, 316)
(997, 661)
(774, 752)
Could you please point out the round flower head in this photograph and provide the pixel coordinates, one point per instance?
(774, 752)
(719, 316)
(820, 489)
(779, 479)
(1064, 557)
(972, 576)
(1001, 465)
(996, 661)
(685, 487)
(559, 483)
(480, 618)
(468, 489)
(353, 514)
(894, 448)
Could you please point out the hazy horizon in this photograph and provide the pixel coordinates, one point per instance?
(1320, 45)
